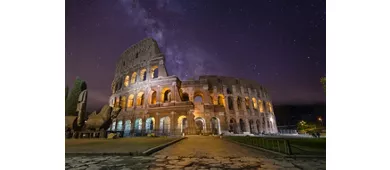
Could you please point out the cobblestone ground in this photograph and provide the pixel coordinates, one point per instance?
(196, 152)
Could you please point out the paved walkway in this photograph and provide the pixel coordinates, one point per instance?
(197, 152)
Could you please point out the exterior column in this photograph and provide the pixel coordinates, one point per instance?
(247, 127)
(191, 122)
(173, 123)
(157, 126)
(158, 95)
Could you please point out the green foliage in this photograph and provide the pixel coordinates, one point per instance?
(323, 82)
(66, 92)
(72, 99)
(304, 127)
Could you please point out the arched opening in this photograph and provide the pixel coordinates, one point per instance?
(254, 103)
(239, 103)
(153, 97)
(127, 128)
(185, 97)
(263, 123)
(133, 77)
(165, 125)
(261, 107)
(143, 74)
(130, 100)
(149, 126)
(154, 72)
(198, 99)
(232, 126)
(138, 126)
(116, 102)
(182, 124)
(113, 125)
(123, 102)
(119, 126)
(215, 126)
(242, 126)
(270, 107)
(251, 127)
(140, 99)
(221, 100)
(228, 91)
(247, 103)
(230, 102)
(200, 125)
(167, 96)
(258, 125)
(127, 79)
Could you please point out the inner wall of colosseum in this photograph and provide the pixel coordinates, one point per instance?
(151, 101)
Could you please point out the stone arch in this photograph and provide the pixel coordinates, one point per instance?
(167, 96)
(113, 125)
(229, 91)
(242, 125)
(138, 125)
(140, 99)
(154, 72)
(130, 100)
(127, 128)
(127, 79)
(215, 126)
(116, 104)
(258, 125)
(133, 77)
(165, 125)
(198, 95)
(261, 106)
(150, 125)
(123, 102)
(247, 103)
(153, 97)
(119, 126)
(143, 74)
(230, 103)
(182, 124)
(185, 96)
(221, 100)
(254, 103)
(200, 125)
(233, 126)
(239, 103)
(251, 126)
(270, 107)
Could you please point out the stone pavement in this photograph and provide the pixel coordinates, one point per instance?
(196, 152)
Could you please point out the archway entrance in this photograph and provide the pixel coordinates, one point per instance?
(182, 124)
(242, 126)
(251, 127)
(258, 126)
(127, 128)
(149, 126)
(138, 126)
(200, 125)
(215, 126)
(232, 126)
(165, 125)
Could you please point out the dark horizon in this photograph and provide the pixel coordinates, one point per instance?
(280, 44)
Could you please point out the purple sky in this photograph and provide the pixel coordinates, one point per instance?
(280, 44)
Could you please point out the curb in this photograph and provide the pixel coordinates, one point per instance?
(144, 153)
(277, 153)
(157, 148)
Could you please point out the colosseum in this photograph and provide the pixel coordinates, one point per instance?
(152, 101)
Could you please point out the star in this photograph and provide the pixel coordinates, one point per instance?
(308, 57)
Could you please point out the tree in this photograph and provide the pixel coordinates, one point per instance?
(66, 92)
(323, 82)
(304, 127)
(71, 101)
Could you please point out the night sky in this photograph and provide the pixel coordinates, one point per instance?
(280, 44)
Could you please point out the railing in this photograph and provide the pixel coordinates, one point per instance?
(301, 146)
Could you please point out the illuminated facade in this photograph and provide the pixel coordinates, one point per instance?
(151, 101)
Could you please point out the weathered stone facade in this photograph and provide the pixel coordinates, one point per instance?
(151, 101)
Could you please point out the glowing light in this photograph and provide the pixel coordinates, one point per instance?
(270, 119)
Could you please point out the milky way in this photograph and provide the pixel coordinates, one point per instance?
(280, 44)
